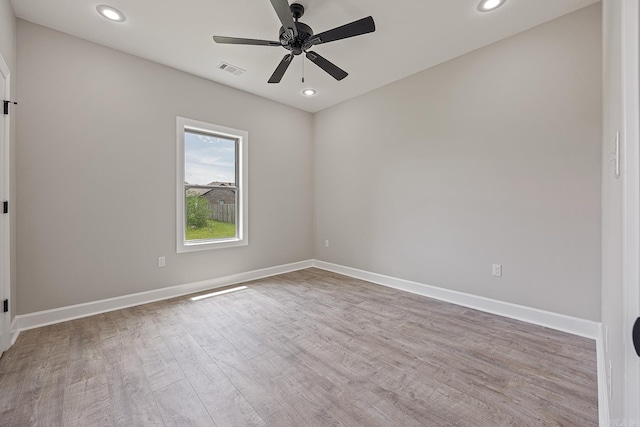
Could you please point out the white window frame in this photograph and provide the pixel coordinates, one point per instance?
(242, 212)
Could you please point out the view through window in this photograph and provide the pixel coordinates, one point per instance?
(210, 186)
(211, 181)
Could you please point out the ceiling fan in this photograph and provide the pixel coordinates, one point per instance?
(298, 37)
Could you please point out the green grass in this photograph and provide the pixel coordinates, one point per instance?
(214, 230)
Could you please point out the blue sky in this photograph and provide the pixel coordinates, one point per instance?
(208, 159)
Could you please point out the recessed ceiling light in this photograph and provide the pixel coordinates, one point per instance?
(309, 92)
(110, 13)
(489, 5)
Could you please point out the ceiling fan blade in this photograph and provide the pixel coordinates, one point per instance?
(335, 71)
(286, 18)
(236, 40)
(281, 69)
(355, 28)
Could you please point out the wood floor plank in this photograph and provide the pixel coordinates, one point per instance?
(180, 406)
(131, 398)
(319, 410)
(42, 396)
(199, 328)
(329, 405)
(249, 341)
(6, 417)
(87, 403)
(224, 403)
(85, 353)
(13, 366)
(308, 348)
(160, 367)
(275, 405)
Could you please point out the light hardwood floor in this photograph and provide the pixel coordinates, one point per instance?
(309, 348)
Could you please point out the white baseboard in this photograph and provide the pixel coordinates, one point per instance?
(14, 332)
(560, 322)
(603, 387)
(48, 317)
(573, 325)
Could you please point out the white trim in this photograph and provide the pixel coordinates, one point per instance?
(631, 205)
(48, 317)
(560, 322)
(14, 332)
(242, 212)
(603, 388)
(5, 264)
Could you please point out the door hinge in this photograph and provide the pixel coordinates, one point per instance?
(6, 106)
(5, 207)
(5, 306)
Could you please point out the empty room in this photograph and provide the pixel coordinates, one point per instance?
(320, 213)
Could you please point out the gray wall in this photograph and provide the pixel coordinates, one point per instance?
(96, 173)
(8, 34)
(432, 178)
(8, 52)
(493, 157)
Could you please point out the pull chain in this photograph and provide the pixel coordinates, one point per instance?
(302, 68)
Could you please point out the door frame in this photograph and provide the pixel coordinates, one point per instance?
(631, 201)
(5, 263)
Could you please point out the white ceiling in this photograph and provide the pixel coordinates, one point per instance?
(410, 36)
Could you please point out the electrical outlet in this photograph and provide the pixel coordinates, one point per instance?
(497, 270)
(326, 243)
(161, 261)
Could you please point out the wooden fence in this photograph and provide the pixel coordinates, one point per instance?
(224, 213)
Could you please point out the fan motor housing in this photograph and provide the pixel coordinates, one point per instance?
(304, 32)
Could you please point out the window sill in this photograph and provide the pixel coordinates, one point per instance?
(206, 245)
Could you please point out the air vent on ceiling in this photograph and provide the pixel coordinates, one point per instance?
(236, 71)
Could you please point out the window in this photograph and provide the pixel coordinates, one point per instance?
(211, 186)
